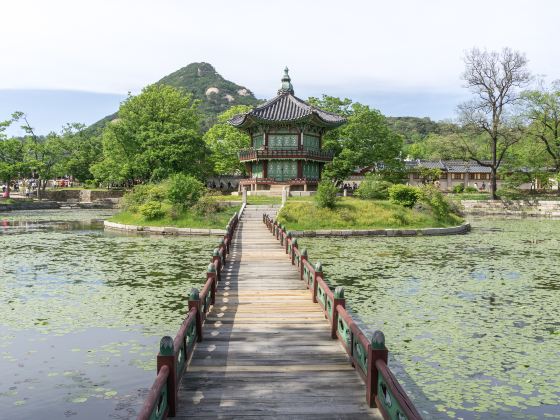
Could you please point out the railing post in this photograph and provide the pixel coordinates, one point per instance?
(194, 302)
(376, 351)
(166, 357)
(229, 234)
(302, 264)
(217, 261)
(337, 300)
(288, 238)
(318, 273)
(294, 247)
(222, 245)
(211, 274)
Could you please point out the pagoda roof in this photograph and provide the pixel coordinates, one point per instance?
(287, 108)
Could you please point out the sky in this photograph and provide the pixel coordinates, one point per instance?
(67, 60)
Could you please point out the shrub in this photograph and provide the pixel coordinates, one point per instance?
(458, 189)
(173, 212)
(471, 190)
(404, 195)
(326, 195)
(437, 202)
(207, 205)
(184, 190)
(152, 210)
(373, 188)
(142, 194)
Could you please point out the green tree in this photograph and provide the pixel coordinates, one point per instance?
(83, 149)
(225, 141)
(12, 155)
(366, 140)
(429, 175)
(155, 135)
(45, 156)
(542, 109)
(342, 107)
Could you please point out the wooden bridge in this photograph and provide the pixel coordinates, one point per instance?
(265, 326)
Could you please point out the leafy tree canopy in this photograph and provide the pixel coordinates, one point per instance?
(365, 140)
(156, 134)
(224, 141)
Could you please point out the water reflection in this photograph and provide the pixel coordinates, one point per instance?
(82, 312)
(472, 318)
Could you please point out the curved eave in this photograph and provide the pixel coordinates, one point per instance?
(307, 159)
(249, 121)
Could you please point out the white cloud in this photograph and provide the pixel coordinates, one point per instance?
(369, 46)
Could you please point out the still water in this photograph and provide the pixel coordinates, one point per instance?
(473, 319)
(82, 312)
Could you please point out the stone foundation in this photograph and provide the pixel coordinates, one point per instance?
(520, 208)
(454, 230)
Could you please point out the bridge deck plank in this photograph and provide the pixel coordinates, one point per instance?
(266, 349)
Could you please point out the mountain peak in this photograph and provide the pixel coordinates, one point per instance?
(215, 93)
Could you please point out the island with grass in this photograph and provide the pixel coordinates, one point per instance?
(181, 201)
(377, 205)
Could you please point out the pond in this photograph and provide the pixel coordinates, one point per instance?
(473, 319)
(82, 312)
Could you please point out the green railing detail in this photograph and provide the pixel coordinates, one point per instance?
(345, 332)
(321, 296)
(181, 359)
(191, 336)
(388, 401)
(360, 355)
(330, 308)
(159, 410)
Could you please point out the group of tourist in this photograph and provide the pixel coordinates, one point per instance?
(27, 185)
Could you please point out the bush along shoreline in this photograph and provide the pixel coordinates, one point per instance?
(180, 201)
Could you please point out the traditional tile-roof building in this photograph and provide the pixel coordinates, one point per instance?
(286, 141)
(454, 172)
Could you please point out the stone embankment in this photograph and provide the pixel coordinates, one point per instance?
(162, 230)
(87, 196)
(454, 230)
(519, 208)
(29, 205)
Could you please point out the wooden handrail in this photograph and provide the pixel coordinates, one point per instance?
(174, 354)
(391, 398)
(368, 357)
(155, 405)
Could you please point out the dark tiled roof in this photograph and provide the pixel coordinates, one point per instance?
(453, 166)
(287, 108)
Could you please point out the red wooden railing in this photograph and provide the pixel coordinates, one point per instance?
(174, 354)
(368, 357)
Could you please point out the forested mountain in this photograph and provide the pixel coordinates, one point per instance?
(414, 129)
(206, 84)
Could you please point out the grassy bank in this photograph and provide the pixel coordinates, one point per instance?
(186, 218)
(353, 213)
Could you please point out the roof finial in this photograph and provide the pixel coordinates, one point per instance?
(286, 86)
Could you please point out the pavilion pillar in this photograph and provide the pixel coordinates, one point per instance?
(300, 139)
(300, 169)
(265, 168)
